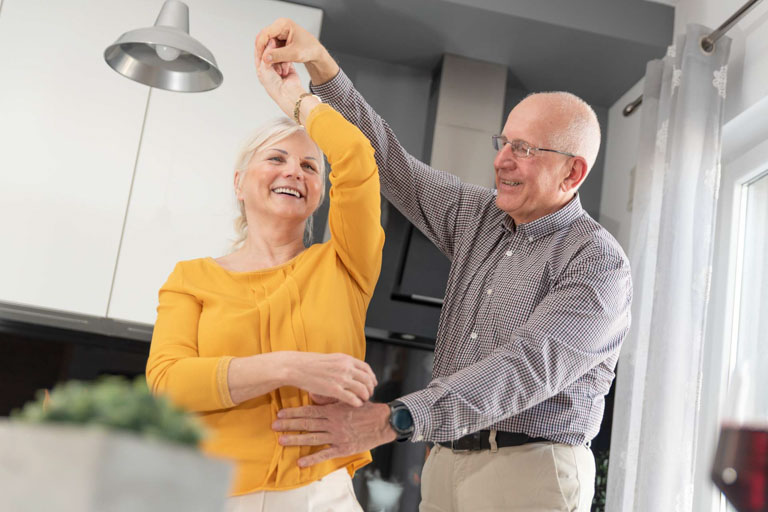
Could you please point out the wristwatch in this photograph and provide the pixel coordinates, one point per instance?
(400, 420)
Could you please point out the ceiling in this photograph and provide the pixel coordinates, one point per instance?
(596, 49)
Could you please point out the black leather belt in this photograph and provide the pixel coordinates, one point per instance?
(480, 441)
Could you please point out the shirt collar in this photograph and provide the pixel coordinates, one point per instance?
(548, 224)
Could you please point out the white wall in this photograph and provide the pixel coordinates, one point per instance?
(69, 128)
(182, 205)
(102, 186)
(620, 159)
(748, 65)
(747, 85)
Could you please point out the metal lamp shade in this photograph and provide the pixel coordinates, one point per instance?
(165, 56)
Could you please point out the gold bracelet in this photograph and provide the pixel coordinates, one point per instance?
(297, 107)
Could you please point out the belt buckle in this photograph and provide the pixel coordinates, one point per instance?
(471, 442)
(454, 449)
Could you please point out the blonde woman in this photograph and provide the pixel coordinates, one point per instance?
(242, 336)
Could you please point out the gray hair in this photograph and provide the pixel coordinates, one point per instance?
(581, 134)
(273, 131)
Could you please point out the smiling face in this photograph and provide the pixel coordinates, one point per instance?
(283, 181)
(530, 188)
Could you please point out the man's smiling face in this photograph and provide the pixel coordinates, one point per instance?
(530, 188)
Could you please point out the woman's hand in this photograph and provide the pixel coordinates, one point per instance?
(294, 44)
(330, 376)
(321, 400)
(281, 82)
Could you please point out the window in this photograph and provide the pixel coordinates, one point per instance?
(738, 309)
(751, 308)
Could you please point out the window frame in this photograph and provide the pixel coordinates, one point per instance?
(745, 159)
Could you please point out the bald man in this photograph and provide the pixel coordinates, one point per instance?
(536, 308)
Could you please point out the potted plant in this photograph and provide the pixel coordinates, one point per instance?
(601, 480)
(107, 446)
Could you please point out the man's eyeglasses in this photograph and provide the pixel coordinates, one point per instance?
(520, 148)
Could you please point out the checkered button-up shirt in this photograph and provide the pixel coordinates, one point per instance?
(534, 314)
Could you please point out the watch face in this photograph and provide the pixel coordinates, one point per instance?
(402, 420)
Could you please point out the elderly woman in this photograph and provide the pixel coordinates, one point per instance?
(242, 336)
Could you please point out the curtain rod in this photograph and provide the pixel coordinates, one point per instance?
(707, 44)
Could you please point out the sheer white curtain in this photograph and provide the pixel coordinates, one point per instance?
(658, 384)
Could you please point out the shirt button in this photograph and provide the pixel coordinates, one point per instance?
(530, 239)
(464, 431)
(508, 253)
(417, 438)
(489, 291)
(473, 335)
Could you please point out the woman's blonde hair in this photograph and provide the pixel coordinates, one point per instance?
(271, 132)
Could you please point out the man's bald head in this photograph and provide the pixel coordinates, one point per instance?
(571, 123)
(530, 186)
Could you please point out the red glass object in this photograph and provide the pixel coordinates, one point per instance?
(740, 470)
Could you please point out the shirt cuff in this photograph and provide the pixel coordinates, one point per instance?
(334, 89)
(222, 381)
(427, 418)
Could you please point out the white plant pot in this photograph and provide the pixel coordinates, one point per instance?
(67, 468)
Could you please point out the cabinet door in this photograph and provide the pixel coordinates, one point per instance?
(183, 203)
(69, 131)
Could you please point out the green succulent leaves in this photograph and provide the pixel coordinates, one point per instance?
(116, 403)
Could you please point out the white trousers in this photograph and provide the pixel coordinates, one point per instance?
(534, 477)
(332, 493)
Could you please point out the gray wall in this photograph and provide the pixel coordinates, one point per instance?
(591, 190)
(400, 94)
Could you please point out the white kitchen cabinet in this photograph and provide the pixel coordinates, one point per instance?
(74, 249)
(183, 204)
(69, 130)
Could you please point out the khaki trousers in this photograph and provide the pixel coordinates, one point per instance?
(534, 477)
(332, 493)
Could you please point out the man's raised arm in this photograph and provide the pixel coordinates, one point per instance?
(438, 203)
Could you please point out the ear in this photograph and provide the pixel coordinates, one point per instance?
(238, 190)
(577, 173)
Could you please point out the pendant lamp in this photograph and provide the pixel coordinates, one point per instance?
(165, 55)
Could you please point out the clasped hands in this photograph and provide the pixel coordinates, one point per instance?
(346, 430)
(342, 417)
(277, 47)
(339, 385)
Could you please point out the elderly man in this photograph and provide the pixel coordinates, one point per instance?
(536, 307)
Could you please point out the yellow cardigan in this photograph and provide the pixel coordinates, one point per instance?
(316, 302)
